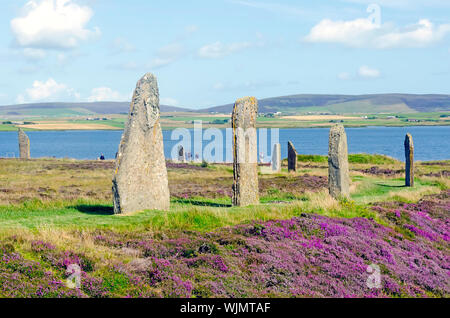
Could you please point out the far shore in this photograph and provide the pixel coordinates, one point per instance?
(171, 121)
(99, 127)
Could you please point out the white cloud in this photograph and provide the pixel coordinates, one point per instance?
(367, 72)
(121, 45)
(364, 33)
(404, 4)
(105, 94)
(344, 76)
(53, 24)
(272, 7)
(347, 32)
(167, 55)
(245, 86)
(28, 69)
(126, 66)
(172, 52)
(191, 29)
(61, 58)
(364, 72)
(34, 54)
(219, 50)
(169, 101)
(219, 86)
(49, 90)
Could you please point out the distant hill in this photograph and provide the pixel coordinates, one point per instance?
(293, 104)
(74, 109)
(379, 103)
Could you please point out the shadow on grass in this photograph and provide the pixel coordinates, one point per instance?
(202, 203)
(96, 209)
(390, 185)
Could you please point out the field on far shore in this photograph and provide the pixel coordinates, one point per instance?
(299, 242)
(185, 120)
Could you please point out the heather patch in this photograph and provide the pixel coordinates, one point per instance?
(443, 174)
(427, 219)
(380, 171)
(86, 165)
(297, 243)
(186, 166)
(220, 187)
(305, 256)
(20, 277)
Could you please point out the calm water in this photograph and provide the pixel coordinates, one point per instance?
(431, 143)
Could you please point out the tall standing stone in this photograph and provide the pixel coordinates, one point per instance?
(409, 154)
(181, 155)
(338, 174)
(292, 157)
(24, 145)
(276, 158)
(245, 152)
(140, 180)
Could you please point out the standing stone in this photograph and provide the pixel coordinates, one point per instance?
(292, 157)
(276, 158)
(24, 145)
(181, 156)
(409, 154)
(245, 152)
(338, 174)
(140, 179)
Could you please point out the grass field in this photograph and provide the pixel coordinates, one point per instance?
(185, 120)
(73, 193)
(55, 212)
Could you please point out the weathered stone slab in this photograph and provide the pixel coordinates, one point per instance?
(140, 180)
(338, 174)
(276, 158)
(409, 166)
(181, 155)
(292, 157)
(245, 152)
(24, 145)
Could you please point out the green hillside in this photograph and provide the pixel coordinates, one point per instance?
(72, 109)
(349, 104)
(288, 105)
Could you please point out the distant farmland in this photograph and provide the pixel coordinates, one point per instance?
(288, 105)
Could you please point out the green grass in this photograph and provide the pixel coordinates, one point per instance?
(352, 158)
(351, 209)
(117, 122)
(268, 119)
(312, 158)
(372, 159)
(423, 116)
(7, 127)
(275, 195)
(185, 120)
(54, 112)
(194, 214)
(199, 213)
(373, 190)
(189, 119)
(362, 106)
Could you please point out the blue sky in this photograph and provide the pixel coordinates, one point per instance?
(208, 53)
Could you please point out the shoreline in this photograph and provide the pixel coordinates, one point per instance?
(193, 163)
(15, 128)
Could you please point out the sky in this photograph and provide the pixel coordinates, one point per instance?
(211, 52)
